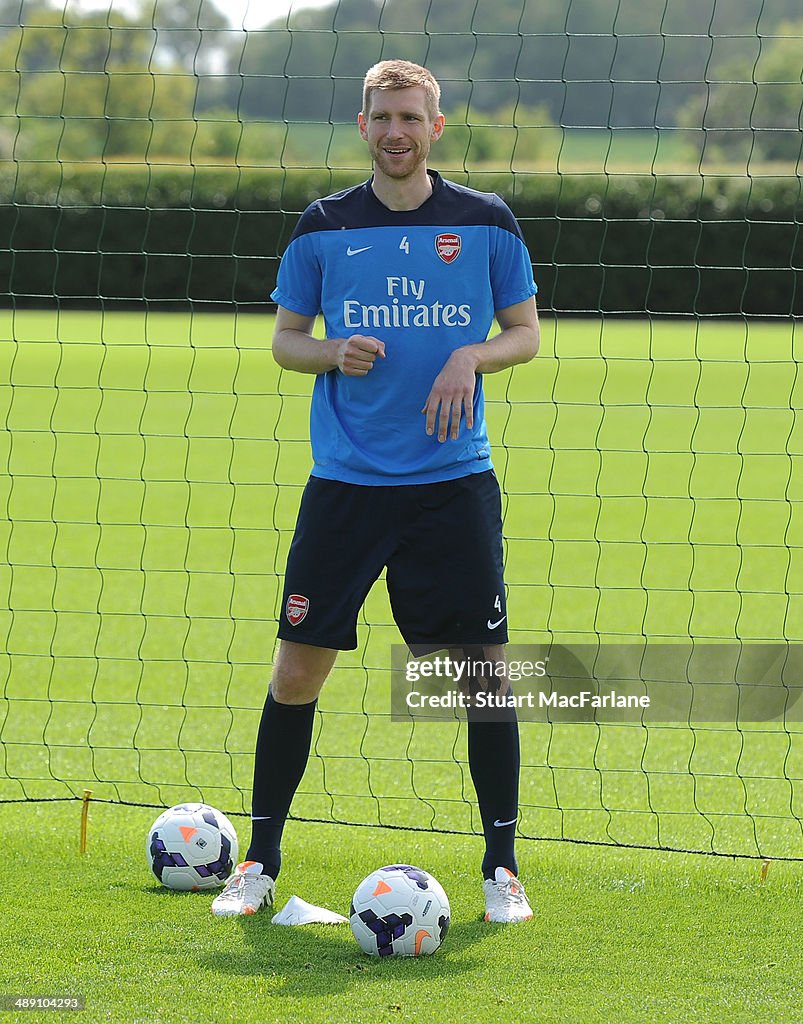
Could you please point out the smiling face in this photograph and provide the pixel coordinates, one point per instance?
(399, 129)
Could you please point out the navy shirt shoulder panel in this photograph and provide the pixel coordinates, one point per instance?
(450, 205)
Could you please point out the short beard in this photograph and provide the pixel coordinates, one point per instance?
(391, 171)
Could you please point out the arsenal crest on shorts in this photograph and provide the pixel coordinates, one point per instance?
(296, 608)
(448, 246)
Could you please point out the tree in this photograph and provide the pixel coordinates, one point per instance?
(512, 137)
(594, 63)
(188, 32)
(755, 107)
(90, 90)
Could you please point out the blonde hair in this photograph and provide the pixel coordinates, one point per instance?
(401, 74)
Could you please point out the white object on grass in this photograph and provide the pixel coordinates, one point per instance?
(298, 911)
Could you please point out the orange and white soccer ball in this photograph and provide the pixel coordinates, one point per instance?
(399, 910)
(192, 846)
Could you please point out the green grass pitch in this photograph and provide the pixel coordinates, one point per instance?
(652, 473)
(639, 938)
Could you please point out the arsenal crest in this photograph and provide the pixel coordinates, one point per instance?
(296, 608)
(448, 246)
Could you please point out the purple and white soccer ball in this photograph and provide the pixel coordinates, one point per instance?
(399, 910)
(192, 846)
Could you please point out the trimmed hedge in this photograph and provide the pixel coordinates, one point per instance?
(122, 235)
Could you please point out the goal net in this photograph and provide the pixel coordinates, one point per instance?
(155, 158)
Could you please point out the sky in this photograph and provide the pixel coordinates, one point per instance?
(247, 13)
(256, 13)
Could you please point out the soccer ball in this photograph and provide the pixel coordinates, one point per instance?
(399, 910)
(192, 846)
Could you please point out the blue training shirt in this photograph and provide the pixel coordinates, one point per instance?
(425, 282)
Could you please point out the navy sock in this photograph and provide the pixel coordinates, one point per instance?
(282, 752)
(494, 760)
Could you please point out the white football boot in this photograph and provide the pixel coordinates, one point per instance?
(246, 891)
(505, 898)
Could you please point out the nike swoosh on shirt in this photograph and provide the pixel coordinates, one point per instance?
(493, 625)
(355, 252)
(501, 824)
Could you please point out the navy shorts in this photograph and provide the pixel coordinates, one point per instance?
(441, 544)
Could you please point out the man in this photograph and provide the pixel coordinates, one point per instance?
(408, 270)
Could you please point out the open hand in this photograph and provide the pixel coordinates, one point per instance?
(452, 396)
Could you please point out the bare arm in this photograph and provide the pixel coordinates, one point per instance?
(517, 342)
(452, 394)
(294, 348)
